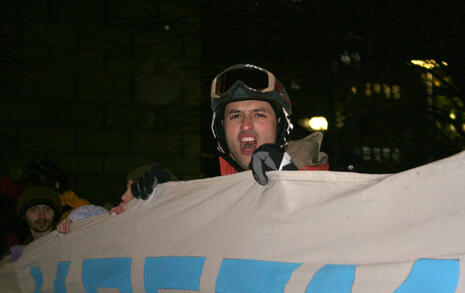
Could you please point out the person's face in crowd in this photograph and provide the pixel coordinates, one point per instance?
(127, 196)
(39, 218)
(247, 125)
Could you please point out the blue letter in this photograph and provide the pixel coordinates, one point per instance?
(173, 272)
(60, 277)
(332, 278)
(38, 279)
(247, 275)
(432, 275)
(107, 273)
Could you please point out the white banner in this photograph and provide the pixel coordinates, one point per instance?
(307, 231)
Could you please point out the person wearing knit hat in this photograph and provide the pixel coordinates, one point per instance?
(40, 207)
(47, 173)
(142, 179)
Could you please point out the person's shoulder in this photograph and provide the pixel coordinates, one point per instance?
(306, 154)
(70, 198)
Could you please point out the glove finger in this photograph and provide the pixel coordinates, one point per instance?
(258, 169)
(269, 163)
(135, 189)
(148, 184)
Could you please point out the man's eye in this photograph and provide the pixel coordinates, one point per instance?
(235, 116)
(260, 115)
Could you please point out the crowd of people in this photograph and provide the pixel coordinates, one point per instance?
(251, 121)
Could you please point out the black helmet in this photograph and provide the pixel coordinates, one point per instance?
(43, 172)
(248, 82)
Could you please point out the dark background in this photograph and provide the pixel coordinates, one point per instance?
(101, 87)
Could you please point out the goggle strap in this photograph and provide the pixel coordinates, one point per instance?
(290, 126)
(213, 124)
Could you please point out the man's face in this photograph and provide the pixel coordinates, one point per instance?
(39, 218)
(128, 196)
(247, 125)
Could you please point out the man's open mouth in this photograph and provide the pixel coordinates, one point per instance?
(248, 144)
(43, 222)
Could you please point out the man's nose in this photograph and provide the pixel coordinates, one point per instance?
(246, 123)
(41, 213)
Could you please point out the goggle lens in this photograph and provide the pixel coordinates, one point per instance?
(254, 79)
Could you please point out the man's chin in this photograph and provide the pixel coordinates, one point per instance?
(244, 161)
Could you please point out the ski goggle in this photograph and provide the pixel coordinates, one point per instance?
(254, 78)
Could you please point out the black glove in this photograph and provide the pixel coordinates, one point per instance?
(143, 186)
(269, 157)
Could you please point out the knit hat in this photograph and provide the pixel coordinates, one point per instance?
(38, 195)
(140, 172)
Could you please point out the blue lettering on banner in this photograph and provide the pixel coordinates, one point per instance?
(240, 275)
(332, 278)
(245, 275)
(38, 279)
(432, 275)
(107, 273)
(173, 272)
(60, 277)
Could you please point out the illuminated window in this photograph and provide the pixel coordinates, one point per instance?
(366, 153)
(353, 89)
(377, 88)
(340, 117)
(395, 92)
(429, 83)
(377, 154)
(345, 57)
(386, 154)
(295, 85)
(380, 154)
(350, 57)
(368, 89)
(396, 155)
(387, 90)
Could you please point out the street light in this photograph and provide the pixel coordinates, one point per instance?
(317, 123)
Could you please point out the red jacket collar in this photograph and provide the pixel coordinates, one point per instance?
(225, 168)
